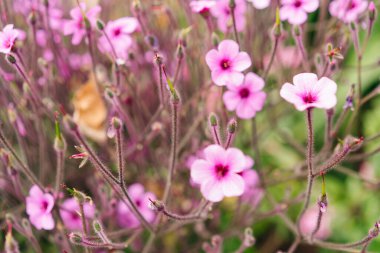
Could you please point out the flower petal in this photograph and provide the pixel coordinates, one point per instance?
(233, 185)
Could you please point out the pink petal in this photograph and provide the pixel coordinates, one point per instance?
(310, 6)
(228, 48)
(50, 201)
(298, 17)
(212, 190)
(215, 154)
(220, 77)
(213, 59)
(36, 192)
(244, 110)
(235, 78)
(241, 62)
(136, 190)
(231, 100)
(305, 82)
(236, 160)
(255, 81)
(257, 100)
(233, 185)
(201, 171)
(289, 93)
(260, 4)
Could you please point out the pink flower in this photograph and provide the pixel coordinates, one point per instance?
(347, 11)
(70, 210)
(76, 25)
(141, 198)
(8, 38)
(309, 220)
(295, 11)
(218, 173)
(39, 206)
(247, 98)
(202, 6)
(260, 4)
(222, 12)
(118, 31)
(227, 63)
(309, 92)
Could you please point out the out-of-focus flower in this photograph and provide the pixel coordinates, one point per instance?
(309, 221)
(8, 38)
(286, 57)
(247, 98)
(39, 206)
(76, 25)
(253, 192)
(141, 198)
(347, 11)
(260, 4)
(222, 12)
(227, 63)
(295, 11)
(202, 6)
(70, 213)
(90, 112)
(218, 173)
(309, 92)
(118, 31)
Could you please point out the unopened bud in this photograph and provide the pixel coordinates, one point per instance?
(10, 58)
(213, 120)
(249, 239)
(152, 41)
(100, 25)
(322, 203)
(116, 123)
(97, 226)
(75, 238)
(297, 30)
(232, 4)
(231, 127)
(32, 18)
(372, 11)
(156, 205)
(87, 23)
(215, 39)
(174, 98)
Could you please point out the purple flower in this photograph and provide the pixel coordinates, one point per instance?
(347, 10)
(141, 198)
(39, 206)
(118, 31)
(295, 11)
(247, 98)
(218, 173)
(227, 63)
(309, 92)
(76, 25)
(222, 12)
(70, 211)
(260, 4)
(8, 38)
(202, 6)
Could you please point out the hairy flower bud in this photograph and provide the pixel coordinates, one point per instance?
(231, 127)
(100, 25)
(213, 120)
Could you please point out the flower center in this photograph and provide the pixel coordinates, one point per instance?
(297, 3)
(352, 5)
(225, 64)
(74, 216)
(309, 98)
(227, 11)
(244, 93)
(44, 205)
(138, 203)
(221, 171)
(117, 32)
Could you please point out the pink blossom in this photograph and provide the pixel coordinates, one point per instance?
(141, 198)
(76, 25)
(70, 210)
(8, 38)
(222, 12)
(253, 192)
(218, 173)
(39, 206)
(227, 63)
(202, 6)
(309, 220)
(260, 4)
(295, 11)
(247, 98)
(309, 92)
(347, 11)
(118, 32)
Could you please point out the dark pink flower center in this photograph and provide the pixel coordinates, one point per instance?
(7, 43)
(309, 98)
(117, 32)
(44, 205)
(225, 64)
(298, 3)
(227, 11)
(244, 93)
(221, 170)
(74, 216)
(352, 5)
(138, 202)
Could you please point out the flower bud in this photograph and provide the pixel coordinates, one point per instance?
(175, 99)
(156, 205)
(249, 239)
(116, 123)
(215, 39)
(322, 203)
(10, 58)
(372, 11)
(152, 41)
(97, 226)
(75, 238)
(100, 25)
(231, 127)
(213, 120)
(297, 30)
